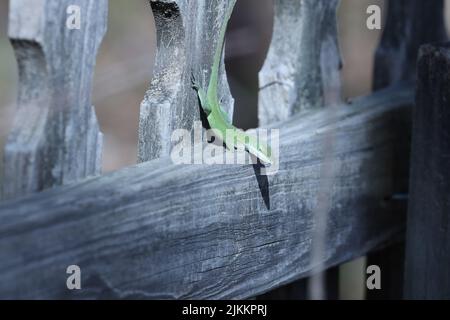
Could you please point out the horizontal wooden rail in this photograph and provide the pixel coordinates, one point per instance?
(158, 230)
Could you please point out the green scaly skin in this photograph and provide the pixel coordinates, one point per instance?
(217, 118)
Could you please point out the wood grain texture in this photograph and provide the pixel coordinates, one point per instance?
(409, 24)
(301, 71)
(214, 236)
(428, 229)
(55, 137)
(187, 34)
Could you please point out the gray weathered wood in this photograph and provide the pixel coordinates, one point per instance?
(428, 230)
(409, 24)
(213, 237)
(302, 66)
(187, 34)
(55, 136)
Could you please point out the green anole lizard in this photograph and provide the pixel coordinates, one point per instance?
(217, 117)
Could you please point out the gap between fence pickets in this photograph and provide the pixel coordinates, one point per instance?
(165, 231)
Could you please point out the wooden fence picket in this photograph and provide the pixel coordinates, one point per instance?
(427, 271)
(187, 33)
(55, 136)
(409, 24)
(301, 71)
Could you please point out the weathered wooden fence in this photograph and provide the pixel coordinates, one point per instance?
(159, 230)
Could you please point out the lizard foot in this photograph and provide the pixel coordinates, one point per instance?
(195, 84)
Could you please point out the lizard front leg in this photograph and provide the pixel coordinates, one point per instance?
(201, 95)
